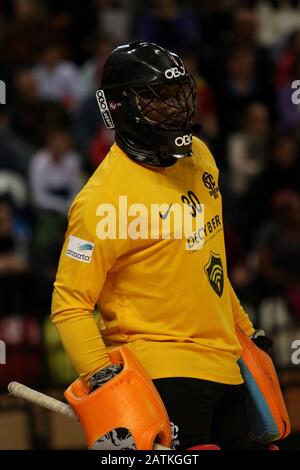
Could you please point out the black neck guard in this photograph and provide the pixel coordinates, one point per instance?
(162, 151)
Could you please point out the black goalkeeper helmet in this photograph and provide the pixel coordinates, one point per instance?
(148, 97)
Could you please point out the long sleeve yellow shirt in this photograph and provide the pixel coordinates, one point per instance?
(173, 307)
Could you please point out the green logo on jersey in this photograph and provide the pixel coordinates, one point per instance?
(85, 247)
(215, 274)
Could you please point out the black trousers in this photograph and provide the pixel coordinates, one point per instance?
(205, 412)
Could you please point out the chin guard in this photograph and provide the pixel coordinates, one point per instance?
(269, 420)
(129, 400)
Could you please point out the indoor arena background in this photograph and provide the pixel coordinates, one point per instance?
(245, 57)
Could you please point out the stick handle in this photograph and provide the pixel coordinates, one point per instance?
(19, 390)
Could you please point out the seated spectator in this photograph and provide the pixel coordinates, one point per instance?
(91, 71)
(23, 38)
(240, 87)
(86, 123)
(169, 25)
(286, 63)
(278, 249)
(54, 174)
(245, 26)
(206, 107)
(114, 19)
(14, 153)
(281, 173)
(13, 261)
(241, 268)
(247, 150)
(13, 253)
(239, 272)
(55, 179)
(277, 19)
(57, 79)
(31, 116)
(19, 327)
(247, 154)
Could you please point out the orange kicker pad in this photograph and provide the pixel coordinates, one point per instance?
(129, 400)
(269, 420)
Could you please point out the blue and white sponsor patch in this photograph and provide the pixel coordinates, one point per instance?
(79, 249)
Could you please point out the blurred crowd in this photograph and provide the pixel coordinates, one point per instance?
(244, 56)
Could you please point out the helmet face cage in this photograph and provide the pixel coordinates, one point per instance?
(171, 105)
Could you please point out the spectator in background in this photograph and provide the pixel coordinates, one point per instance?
(91, 71)
(278, 249)
(215, 25)
(14, 153)
(239, 271)
(114, 19)
(286, 63)
(170, 25)
(18, 326)
(245, 26)
(13, 261)
(281, 173)
(25, 36)
(240, 88)
(232, 56)
(55, 174)
(55, 178)
(57, 79)
(276, 19)
(27, 108)
(206, 108)
(247, 154)
(31, 116)
(13, 250)
(247, 150)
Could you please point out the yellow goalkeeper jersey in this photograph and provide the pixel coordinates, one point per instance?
(168, 300)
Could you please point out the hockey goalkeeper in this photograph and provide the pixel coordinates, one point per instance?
(169, 314)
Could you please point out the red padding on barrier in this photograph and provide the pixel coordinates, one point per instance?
(205, 447)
